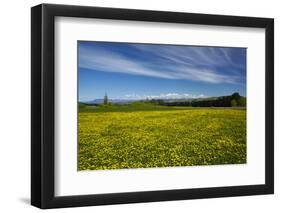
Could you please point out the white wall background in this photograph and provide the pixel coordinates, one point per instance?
(15, 105)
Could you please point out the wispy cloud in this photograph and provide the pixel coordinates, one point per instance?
(204, 64)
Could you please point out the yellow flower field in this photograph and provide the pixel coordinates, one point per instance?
(161, 138)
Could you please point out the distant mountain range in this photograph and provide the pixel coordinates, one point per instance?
(127, 101)
(114, 101)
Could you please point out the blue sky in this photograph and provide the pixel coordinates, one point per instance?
(139, 71)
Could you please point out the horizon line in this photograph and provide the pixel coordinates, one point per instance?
(143, 98)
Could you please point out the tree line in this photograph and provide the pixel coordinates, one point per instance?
(234, 100)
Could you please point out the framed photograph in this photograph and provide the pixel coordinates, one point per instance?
(140, 106)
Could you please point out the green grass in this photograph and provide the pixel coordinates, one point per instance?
(115, 137)
(132, 107)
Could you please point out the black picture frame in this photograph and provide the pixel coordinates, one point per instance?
(43, 111)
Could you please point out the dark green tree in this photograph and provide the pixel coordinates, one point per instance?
(105, 99)
(233, 103)
(236, 96)
(242, 102)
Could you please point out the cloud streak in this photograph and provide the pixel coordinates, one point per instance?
(204, 64)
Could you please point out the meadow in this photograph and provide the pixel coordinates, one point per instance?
(137, 136)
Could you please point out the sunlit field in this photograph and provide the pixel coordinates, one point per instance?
(119, 138)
